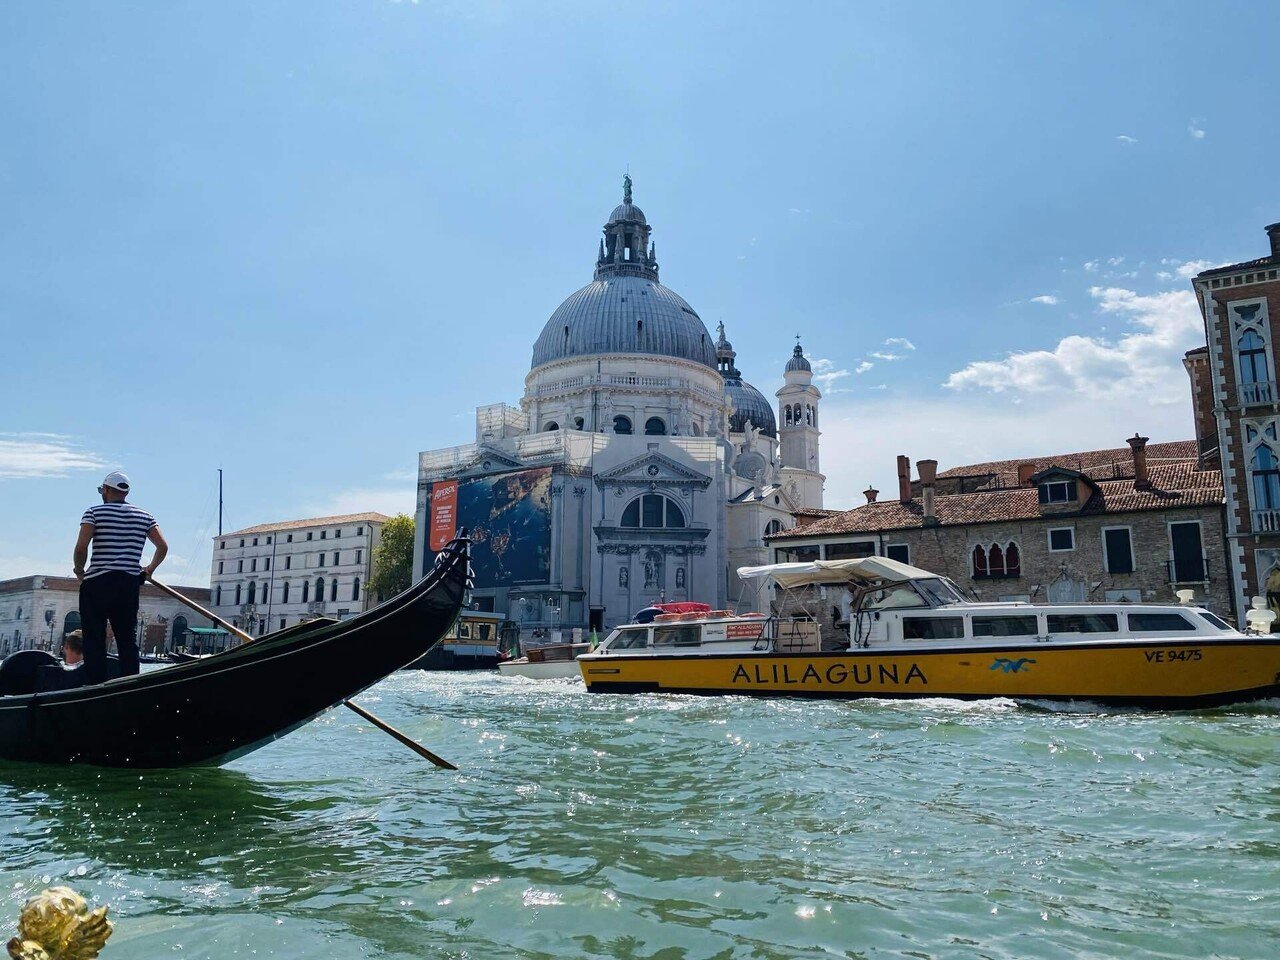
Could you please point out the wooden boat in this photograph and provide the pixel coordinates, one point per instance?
(181, 656)
(554, 661)
(913, 634)
(216, 709)
(472, 643)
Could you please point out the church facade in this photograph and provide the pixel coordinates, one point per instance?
(639, 465)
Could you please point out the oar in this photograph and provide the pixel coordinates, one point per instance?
(376, 721)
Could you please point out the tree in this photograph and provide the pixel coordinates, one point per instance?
(393, 560)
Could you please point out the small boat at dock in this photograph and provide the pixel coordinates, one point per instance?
(913, 634)
(474, 642)
(556, 661)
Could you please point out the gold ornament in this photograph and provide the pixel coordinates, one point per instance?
(57, 924)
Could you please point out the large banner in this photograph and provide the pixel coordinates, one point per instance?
(507, 516)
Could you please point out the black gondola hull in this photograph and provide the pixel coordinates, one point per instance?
(221, 707)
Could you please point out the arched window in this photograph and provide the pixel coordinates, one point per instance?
(551, 425)
(1012, 561)
(1266, 479)
(654, 427)
(786, 414)
(306, 589)
(253, 591)
(333, 589)
(980, 562)
(995, 560)
(622, 425)
(653, 510)
(218, 596)
(284, 592)
(319, 589)
(355, 589)
(1253, 358)
(773, 526)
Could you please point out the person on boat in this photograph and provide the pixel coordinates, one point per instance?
(73, 650)
(110, 586)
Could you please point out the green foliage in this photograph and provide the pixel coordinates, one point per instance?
(393, 560)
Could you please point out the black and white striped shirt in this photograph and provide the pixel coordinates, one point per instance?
(119, 534)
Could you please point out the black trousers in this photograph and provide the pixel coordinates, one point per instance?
(109, 598)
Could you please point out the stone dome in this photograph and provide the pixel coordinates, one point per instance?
(798, 361)
(749, 404)
(627, 211)
(625, 314)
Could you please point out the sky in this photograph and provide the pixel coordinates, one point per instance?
(302, 241)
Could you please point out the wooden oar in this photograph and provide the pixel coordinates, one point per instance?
(361, 711)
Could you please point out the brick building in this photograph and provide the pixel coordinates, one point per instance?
(1134, 523)
(1240, 413)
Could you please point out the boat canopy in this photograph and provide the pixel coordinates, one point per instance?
(860, 570)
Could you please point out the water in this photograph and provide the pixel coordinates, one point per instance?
(666, 828)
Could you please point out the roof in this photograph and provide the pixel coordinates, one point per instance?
(369, 517)
(627, 211)
(798, 361)
(1233, 267)
(624, 314)
(69, 584)
(1173, 486)
(749, 404)
(1095, 464)
(864, 570)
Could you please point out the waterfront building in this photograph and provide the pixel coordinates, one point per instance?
(273, 575)
(1239, 417)
(37, 612)
(1129, 524)
(639, 464)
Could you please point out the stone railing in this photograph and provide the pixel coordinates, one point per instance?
(1266, 521)
(1262, 392)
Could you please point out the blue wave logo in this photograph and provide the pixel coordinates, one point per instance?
(1010, 666)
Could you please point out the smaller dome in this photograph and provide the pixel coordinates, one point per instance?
(749, 404)
(798, 361)
(627, 211)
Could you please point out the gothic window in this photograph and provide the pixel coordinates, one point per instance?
(995, 560)
(1253, 364)
(654, 427)
(551, 425)
(1266, 479)
(980, 562)
(622, 425)
(773, 526)
(1012, 561)
(653, 510)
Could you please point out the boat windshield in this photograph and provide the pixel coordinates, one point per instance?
(895, 597)
(629, 638)
(938, 592)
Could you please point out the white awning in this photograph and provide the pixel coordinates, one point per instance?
(862, 570)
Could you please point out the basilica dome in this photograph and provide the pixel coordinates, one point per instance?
(625, 310)
(748, 402)
(624, 314)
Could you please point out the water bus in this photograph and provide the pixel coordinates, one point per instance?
(474, 642)
(914, 634)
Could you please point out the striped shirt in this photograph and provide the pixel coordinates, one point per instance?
(119, 534)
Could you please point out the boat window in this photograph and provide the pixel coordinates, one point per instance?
(485, 631)
(1083, 623)
(1152, 622)
(464, 630)
(938, 591)
(895, 597)
(1216, 620)
(683, 636)
(932, 628)
(1020, 626)
(629, 639)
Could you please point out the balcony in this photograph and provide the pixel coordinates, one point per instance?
(1266, 521)
(1261, 392)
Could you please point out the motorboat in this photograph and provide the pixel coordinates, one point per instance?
(554, 661)
(914, 634)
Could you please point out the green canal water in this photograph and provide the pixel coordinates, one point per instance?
(675, 827)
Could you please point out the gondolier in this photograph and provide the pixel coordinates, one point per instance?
(109, 587)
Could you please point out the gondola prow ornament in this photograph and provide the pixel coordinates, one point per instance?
(57, 924)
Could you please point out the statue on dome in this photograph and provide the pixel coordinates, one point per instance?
(626, 188)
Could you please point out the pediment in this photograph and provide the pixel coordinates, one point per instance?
(653, 469)
(490, 460)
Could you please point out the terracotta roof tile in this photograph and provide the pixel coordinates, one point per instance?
(1098, 465)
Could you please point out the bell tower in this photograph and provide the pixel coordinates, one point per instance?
(798, 430)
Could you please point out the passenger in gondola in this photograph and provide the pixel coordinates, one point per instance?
(73, 650)
(109, 588)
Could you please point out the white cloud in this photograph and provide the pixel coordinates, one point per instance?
(900, 342)
(1114, 261)
(1164, 275)
(1127, 139)
(1091, 266)
(826, 373)
(1196, 131)
(887, 357)
(1145, 362)
(29, 455)
(1188, 270)
(863, 366)
(1048, 299)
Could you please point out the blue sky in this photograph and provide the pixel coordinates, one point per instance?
(302, 241)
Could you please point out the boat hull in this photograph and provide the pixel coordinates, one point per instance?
(1167, 674)
(218, 708)
(545, 670)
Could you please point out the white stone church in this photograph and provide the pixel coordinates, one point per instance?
(639, 466)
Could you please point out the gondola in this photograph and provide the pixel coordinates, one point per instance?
(213, 710)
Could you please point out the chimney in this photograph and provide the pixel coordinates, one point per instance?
(871, 493)
(1139, 446)
(1025, 472)
(1273, 232)
(928, 477)
(904, 479)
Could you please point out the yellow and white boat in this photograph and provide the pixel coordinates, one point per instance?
(913, 634)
